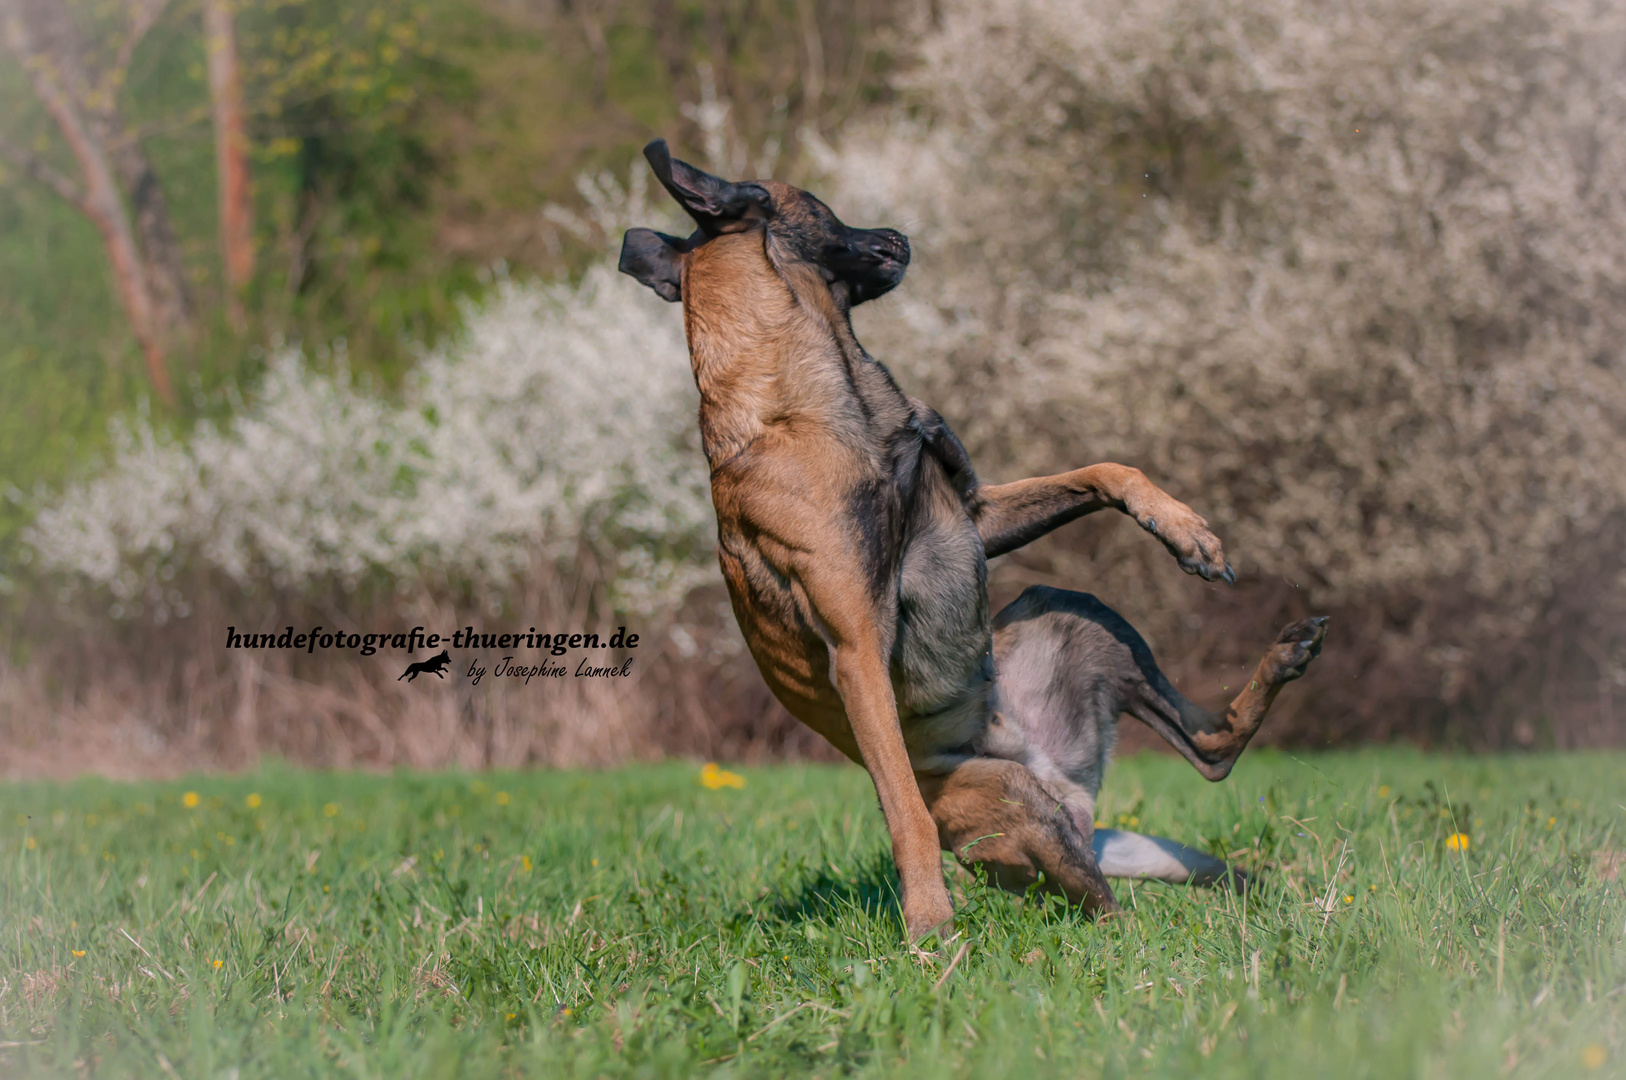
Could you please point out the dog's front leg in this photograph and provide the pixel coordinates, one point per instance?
(858, 668)
(1011, 515)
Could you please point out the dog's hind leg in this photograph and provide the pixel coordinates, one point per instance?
(1066, 666)
(1054, 648)
(995, 814)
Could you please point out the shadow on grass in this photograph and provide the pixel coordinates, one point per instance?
(867, 887)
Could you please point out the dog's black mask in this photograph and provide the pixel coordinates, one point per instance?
(859, 264)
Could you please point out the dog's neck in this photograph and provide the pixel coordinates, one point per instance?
(770, 346)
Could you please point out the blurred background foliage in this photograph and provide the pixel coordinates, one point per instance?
(1345, 278)
(399, 149)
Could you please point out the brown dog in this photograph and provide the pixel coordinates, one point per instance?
(854, 539)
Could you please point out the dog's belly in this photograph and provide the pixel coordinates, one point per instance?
(943, 646)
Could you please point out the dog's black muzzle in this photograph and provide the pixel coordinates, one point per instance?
(871, 261)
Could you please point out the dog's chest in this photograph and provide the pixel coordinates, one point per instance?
(907, 541)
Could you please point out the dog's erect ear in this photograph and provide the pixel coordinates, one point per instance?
(654, 259)
(716, 205)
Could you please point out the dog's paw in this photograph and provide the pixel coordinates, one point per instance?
(1186, 534)
(1295, 647)
(929, 915)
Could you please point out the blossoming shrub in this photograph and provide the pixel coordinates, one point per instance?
(1346, 277)
(563, 416)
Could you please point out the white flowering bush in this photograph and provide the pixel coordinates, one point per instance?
(562, 416)
(1348, 277)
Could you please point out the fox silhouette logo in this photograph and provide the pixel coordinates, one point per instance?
(435, 665)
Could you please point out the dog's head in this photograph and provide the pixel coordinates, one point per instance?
(857, 264)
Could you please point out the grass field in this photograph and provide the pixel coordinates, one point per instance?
(643, 923)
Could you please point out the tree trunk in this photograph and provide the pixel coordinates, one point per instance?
(100, 201)
(231, 149)
(166, 274)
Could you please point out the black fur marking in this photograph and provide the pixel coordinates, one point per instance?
(946, 447)
(654, 259)
(871, 511)
(716, 205)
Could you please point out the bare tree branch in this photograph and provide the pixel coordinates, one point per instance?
(44, 38)
(144, 15)
(42, 171)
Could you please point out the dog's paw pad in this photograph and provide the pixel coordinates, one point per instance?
(1298, 644)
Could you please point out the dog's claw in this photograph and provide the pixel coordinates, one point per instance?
(1230, 575)
(1151, 525)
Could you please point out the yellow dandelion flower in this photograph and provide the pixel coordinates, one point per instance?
(1383, 791)
(595, 862)
(714, 777)
(1594, 1055)
(253, 800)
(525, 863)
(1551, 822)
(190, 800)
(78, 953)
(1349, 899)
(31, 843)
(331, 809)
(219, 964)
(567, 1012)
(1457, 841)
(502, 798)
(510, 1016)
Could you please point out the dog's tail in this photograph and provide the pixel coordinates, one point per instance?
(1131, 855)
